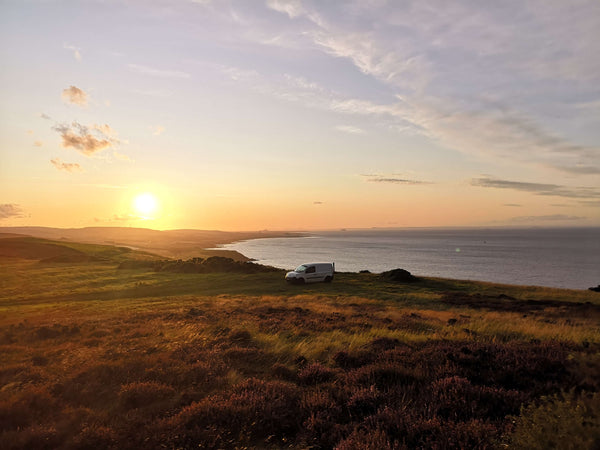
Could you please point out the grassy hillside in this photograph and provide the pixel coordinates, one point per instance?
(24, 247)
(169, 243)
(99, 357)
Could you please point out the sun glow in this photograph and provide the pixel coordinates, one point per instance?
(145, 204)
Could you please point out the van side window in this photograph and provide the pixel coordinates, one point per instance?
(311, 269)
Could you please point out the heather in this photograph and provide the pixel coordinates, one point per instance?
(97, 356)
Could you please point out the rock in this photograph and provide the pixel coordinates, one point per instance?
(595, 289)
(398, 275)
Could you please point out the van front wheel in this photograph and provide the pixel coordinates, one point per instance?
(328, 279)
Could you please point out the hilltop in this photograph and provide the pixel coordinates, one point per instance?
(170, 243)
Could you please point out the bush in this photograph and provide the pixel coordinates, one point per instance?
(143, 394)
(252, 411)
(315, 374)
(561, 421)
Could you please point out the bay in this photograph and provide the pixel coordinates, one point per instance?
(552, 257)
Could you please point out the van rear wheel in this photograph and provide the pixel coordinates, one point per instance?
(328, 279)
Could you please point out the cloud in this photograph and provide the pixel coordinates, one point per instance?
(539, 188)
(516, 205)
(86, 140)
(590, 202)
(350, 129)
(121, 218)
(8, 210)
(75, 96)
(496, 103)
(158, 130)
(293, 8)
(145, 70)
(45, 116)
(38, 143)
(548, 218)
(121, 156)
(104, 129)
(394, 180)
(75, 50)
(68, 167)
(317, 203)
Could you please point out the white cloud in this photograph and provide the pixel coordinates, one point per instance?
(293, 8)
(75, 50)
(451, 63)
(145, 70)
(350, 129)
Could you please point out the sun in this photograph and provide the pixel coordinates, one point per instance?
(145, 204)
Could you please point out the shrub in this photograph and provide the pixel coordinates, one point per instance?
(456, 398)
(40, 437)
(566, 421)
(368, 440)
(26, 407)
(347, 360)
(143, 394)
(253, 410)
(315, 374)
(382, 374)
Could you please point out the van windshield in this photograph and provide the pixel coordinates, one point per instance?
(301, 268)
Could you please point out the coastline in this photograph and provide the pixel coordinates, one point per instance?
(554, 258)
(176, 244)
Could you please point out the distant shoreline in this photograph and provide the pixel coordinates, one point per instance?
(176, 244)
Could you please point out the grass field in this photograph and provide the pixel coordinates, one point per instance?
(97, 357)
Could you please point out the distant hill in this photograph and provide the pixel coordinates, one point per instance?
(46, 250)
(171, 243)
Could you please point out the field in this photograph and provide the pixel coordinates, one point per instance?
(97, 356)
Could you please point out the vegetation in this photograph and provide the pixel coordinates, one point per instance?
(94, 356)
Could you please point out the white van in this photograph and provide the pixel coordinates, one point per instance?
(311, 273)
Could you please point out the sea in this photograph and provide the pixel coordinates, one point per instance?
(551, 257)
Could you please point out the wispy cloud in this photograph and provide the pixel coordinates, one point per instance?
(350, 129)
(484, 106)
(67, 167)
(393, 180)
(158, 130)
(161, 73)
(38, 143)
(546, 218)
(75, 50)
(8, 210)
(75, 96)
(556, 190)
(121, 218)
(293, 8)
(86, 140)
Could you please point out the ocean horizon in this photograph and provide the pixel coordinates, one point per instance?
(551, 257)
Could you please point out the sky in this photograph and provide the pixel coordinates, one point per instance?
(299, 115)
